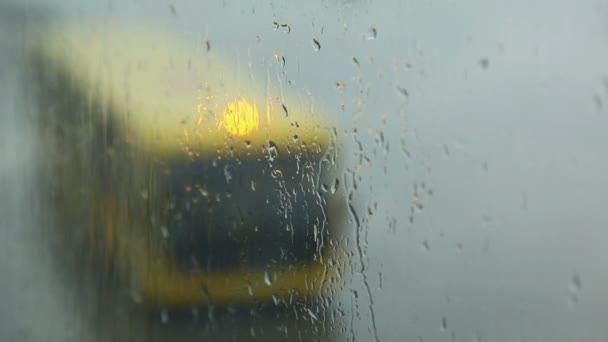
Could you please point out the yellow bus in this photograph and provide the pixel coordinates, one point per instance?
(195, 181)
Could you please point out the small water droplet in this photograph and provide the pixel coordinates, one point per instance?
(576, 282)
(295, 138)
(312, 315)
(484, 63)
(136, 296)
(164, 231)
(598, 102)
(316, 45)
(339, 85)
(164, 316)
(425, 245)
(285, 110)
(267, 278)
(285, 28)
(334, 187)
(444, 324)
(250, 289)
(373, 33)
(356, 61)
(403, 91)
(207, 45)
(275, 25)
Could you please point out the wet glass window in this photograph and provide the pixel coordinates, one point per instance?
(338, 170)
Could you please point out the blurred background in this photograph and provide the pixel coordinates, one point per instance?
(474, 137)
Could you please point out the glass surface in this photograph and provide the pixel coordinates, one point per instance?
(328, 170)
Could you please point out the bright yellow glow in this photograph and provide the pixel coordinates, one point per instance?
(240, 118)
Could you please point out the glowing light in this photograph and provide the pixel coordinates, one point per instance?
(240, 118)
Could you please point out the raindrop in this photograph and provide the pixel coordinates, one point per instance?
(373, 33)
(248, 143)
(227, 174)
(164, 316)
(576, 282)
(295, 138)
(207, 45)
(267, 278)
(425, 245)
(403, 91)
(356, 61)
(164, 231)
(250, 289)
(172, 9)
(136, 297)
(275, 25)
(339, 85)
(444, 324)
(598, 102)
(312, 315)
(334, 187)
(484, 63)
(285, 110)
(316, 45)
(285, 28)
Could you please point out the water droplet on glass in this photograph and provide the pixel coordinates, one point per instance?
(250, 289)
(598, 102)
(295, 138)
(426, 245)
(403, 91)
(285, 28)
(275, 25)
(356, 61)
(373, 33)
(484, 63)
(285, 110)
(576, 282)
(316, 45)
(267, 278)
(164, 231)
(207, 45)
(339, 85)
(335, 186)
(312, 315)
(444, 324)
(164, 316)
